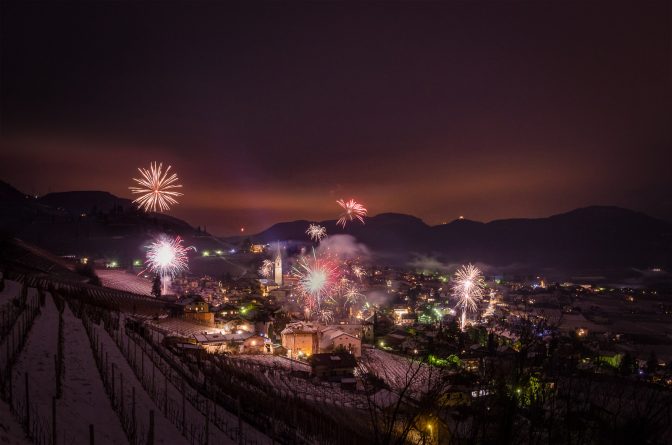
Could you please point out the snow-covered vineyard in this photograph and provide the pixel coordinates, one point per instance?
(399, 372)
(68, 379)
(124, 281)
(77, 369)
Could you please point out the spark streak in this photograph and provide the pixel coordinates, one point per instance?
(157, 188)
(352, 210)
(468, 287)
(316, 232)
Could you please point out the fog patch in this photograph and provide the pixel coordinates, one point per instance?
(344, 247)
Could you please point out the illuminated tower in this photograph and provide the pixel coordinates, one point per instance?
(278, 267)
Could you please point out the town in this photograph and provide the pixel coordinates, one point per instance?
(400, 357)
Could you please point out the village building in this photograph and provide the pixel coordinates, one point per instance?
(194, 308)
(303, 339)
(336, 340)
(300, 339)
(333, 366)
(362, 330)
(236, 343)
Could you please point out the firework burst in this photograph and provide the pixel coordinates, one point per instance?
(325, 316)
(468, 288)
(316, 232)
(352, 210)
(266, 268)
(157, 188)
(167, 257)
(358, 271)
(351, 294)
(317, 279)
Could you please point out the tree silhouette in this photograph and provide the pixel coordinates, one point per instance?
(156, 286)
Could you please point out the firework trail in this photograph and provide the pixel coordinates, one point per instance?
(266, 268)
(468, 287)
(157, 188)
(317, 279)
(316, 232)
(490, 310)
(352, 210)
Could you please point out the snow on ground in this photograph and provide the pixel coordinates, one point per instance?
(275, 371)
(37, 359)
(84, 399)
(250, 434)
(12, 290)
(122, 280)
(185, 328)
(11, 432)
(398, 372)
(194, 419)
(274, 361)
(164, 431)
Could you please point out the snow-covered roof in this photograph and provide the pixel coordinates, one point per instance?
(328, 336)
(334, 333)
(219, 338)
(300, 327)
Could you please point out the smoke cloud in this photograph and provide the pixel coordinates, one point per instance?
(345, 247)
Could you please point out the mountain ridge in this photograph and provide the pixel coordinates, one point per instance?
(591, 236)
(99, 223)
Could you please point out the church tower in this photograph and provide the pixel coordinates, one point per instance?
(278, 267)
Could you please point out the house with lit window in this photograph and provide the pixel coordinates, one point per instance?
(195, 308)
(303, 339)
(333, 339)
(234, 343)
(300, 339)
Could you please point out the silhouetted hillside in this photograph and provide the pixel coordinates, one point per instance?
(92, 223)
(587, 238)
(100, 224)
(90, 202)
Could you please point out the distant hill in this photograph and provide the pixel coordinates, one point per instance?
(584, 239)
(92, 223)
(85, 202)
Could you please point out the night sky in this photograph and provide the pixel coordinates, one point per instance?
(272, 112)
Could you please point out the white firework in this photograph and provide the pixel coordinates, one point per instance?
(468, 287)
(351, 294)
(358, 271)
(167, 257)
(266, 268)
(316, 232)
(326, 316)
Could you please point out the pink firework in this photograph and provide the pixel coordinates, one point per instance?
(318, 277)
(352, 210)
(167, 257)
